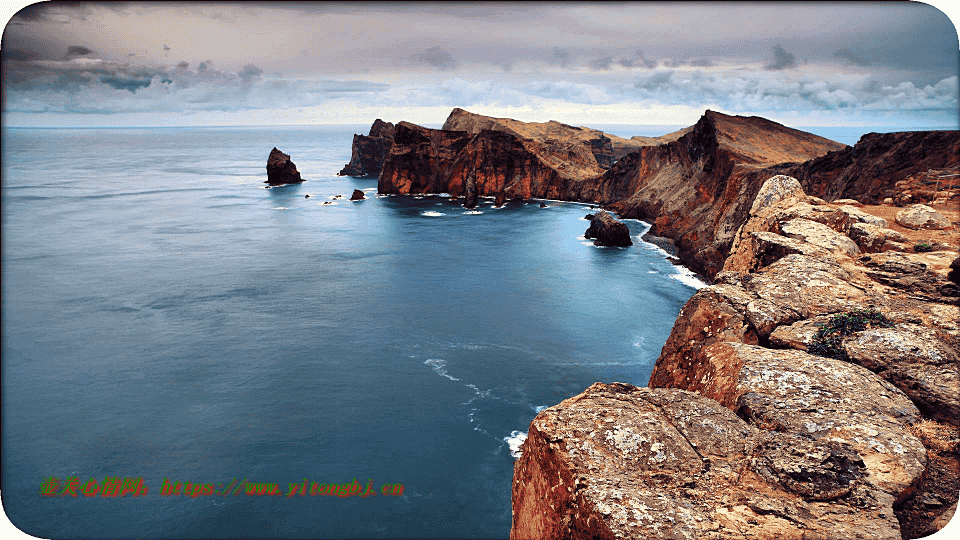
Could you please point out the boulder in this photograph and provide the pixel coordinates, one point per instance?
(915, 360)
(280, 170)
(920, 216)
(874, 239)
(859, 216)
(607, 231)
(819, 234)
(357, 195)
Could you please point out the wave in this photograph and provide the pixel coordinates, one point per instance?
(688, 277)
(438, 366)
(472, 212)
(431, 213)
(514, 442)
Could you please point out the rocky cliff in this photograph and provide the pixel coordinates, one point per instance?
(871, 170)
(694, 185)
(370, 151)
(812, 392)
(691, 184)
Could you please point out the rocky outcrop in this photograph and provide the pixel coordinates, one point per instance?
(619, 461)
(607, 231)
(870, 170)
(806, 425)
(370, 151)
(280, 170)
(357, 195)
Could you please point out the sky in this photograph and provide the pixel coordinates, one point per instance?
(869, 64)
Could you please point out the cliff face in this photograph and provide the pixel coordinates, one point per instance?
(370, 151)
(871, 170)
(692, 184)
(744, 431)
(697, 190)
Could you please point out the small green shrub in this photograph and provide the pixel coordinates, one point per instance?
(922, 247)
(828, 340)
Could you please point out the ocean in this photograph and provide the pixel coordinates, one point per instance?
(167, 319)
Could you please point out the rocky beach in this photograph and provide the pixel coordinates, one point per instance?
(810, 392)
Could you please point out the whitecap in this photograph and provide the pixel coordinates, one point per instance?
(472, 212)
(431, 213)
(281, 208)
(438, 366)
(687, 277)
(539, 408)
(514, 441)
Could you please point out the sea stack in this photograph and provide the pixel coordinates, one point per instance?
(357, 195)
(280, 170)
(607, 231)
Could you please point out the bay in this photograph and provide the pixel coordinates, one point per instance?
(165, 317)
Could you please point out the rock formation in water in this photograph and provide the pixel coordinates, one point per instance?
(607, 231)
(812, 392)
(370, 151)
(357, 195)
(280, 170)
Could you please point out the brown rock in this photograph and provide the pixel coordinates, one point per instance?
(820, 235)
(870, 170)
(370, 151)
(357, 195)
(607, 231)
(280, 170)
(619, 461)
(920, 216)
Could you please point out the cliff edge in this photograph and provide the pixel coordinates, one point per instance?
(812, 392)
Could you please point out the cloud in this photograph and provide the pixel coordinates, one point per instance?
(601, 63)
(77, 50)
(561, 56)
(649, 63)
(437, 57)
(781, 59)
(845, 54)
(250, 73)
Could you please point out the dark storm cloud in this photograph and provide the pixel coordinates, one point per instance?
(77, 50)
(845, 54)
(781, 59)
(601, 63)
(647, 62)
(437, 57)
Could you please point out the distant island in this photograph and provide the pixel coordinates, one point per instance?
(812, 391)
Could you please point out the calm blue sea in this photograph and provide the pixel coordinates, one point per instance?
(165, 317)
